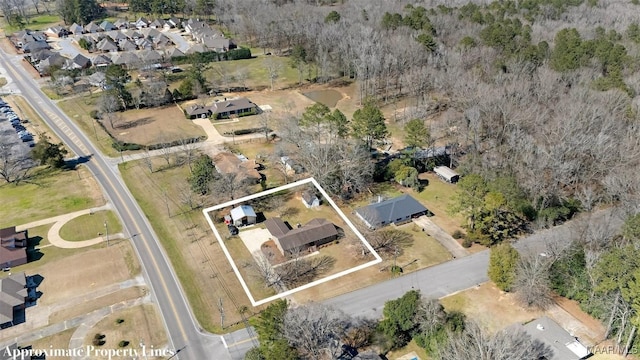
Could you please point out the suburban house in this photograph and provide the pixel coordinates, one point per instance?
(92, 28)
(78, 62)
(76, 29)
(13, 247)
(227, 108)
(13, 293)
(34, 46)
(106, 45)
(309, 199)
(446, 174)
(303, 238)
(246, 170)
(142, 23)
(396, 211)
(243, 215)
(107, 26)
(197, 111)
(53, 60)
(56, 31)
(564, 345)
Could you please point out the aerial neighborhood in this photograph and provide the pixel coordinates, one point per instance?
(292, 180)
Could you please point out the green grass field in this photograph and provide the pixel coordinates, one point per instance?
(39, 22)
(52, 193)
(255, 70)
(88, 226)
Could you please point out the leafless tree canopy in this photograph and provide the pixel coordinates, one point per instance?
(509, 344)
(532, 285)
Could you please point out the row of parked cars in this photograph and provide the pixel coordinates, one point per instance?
(22, 132)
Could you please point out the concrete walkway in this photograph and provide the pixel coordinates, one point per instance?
(442, 236)
(58, 221)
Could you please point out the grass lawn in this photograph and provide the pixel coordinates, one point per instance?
(56, 341)
(88, 226)
(196, 256)
(49, 193)
(490, 307)
(78, 109)
(438, 197)
(256, 73)
(412, 346)
(424, 252)
(39, 22)
(245, 122)
(244, 262)
(134, 325)
(153, 126)
(3, 81)
(97, 303)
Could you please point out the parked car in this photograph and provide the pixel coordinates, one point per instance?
(26, 138)
(232, 229)
(20, 128)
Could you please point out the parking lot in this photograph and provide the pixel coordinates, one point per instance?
(15, 140)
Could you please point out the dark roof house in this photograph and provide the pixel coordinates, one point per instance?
(78, 62)
(13, 293)
(398, 210)
(92, 28)
(107, 26)
(314, 233)
(309, 199)
(13, 247)
(239, 106)
(197, 111)
(101, 60)
(76, 29)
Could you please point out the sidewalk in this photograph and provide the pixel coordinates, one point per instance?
(54, 232)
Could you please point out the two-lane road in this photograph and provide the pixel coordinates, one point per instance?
(182, 329)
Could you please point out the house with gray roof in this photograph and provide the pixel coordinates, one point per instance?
(121, 24)
(173, 52)
(13, 294)
(76, 29)
(78, 62)
(92, 28)
(396, 211)
(157, 24)
(305, 237)
(142, 23)
(127, 45)
(53, 60)
(35, 46)
(228, 108)
(101, 60)
(563, 345)
(106, 45)
(107, 26)
(127, 59)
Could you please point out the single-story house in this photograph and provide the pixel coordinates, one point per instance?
(197, 111)
(78, 62)
(76, 29)
(13, 247)
(398, 210)
(445, 173)
(13, 293)
(92, 28)
(101, 60)
(107, 26)
(246, 170)
(157, 24)
(127, 45)
(173, 52)
(309, 199)
(127, 59)
(218, 44)
(56, 31)
(34, 46)
(307, 237)
(196, 49)
(121, 24)
(142, 23)
(97, 79)
(239, 106)
(107, 45)
(53, 60)
(243, 215)
(291, 165)
(564, 345)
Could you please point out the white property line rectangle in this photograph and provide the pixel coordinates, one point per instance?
(377, 260)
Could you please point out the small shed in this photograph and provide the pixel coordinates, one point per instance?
(310, 200)
(446, 174)
(243, 215)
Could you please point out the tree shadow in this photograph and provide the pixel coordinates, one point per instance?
(134, 123)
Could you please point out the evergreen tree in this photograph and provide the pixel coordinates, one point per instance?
(368, 123)
(49, 154)
(202, 175)
(502, 265)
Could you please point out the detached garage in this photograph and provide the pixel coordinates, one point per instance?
(446, 174)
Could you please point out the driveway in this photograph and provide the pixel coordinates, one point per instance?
(254, 238)
(442, 236)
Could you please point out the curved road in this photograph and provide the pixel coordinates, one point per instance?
(183, 332)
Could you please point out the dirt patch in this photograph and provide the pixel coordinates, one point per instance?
(152, 126)
(80, 274)
(7, 46)
(94, 304)
(136, 325)
(271, 252)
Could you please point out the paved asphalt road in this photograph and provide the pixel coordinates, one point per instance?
(183, 332)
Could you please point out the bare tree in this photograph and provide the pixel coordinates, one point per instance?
(229, 186)
(264, 121)
(13, 169)
(532, 284)
(189, 151)
(147, 160)
(389, 242)
(108, 107)
(476, 343)
(241, 76)
(273, 68)
(316, 331)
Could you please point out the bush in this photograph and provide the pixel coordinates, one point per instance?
(123, 343)
(395, 269)
(99, 336)
(122, 146)
(119, 321)
(246, 131)
(458, 234)
(466, 243)
(98, 342)
(94, 114)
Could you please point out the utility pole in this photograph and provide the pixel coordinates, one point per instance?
(221, 309)
(106, 227)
